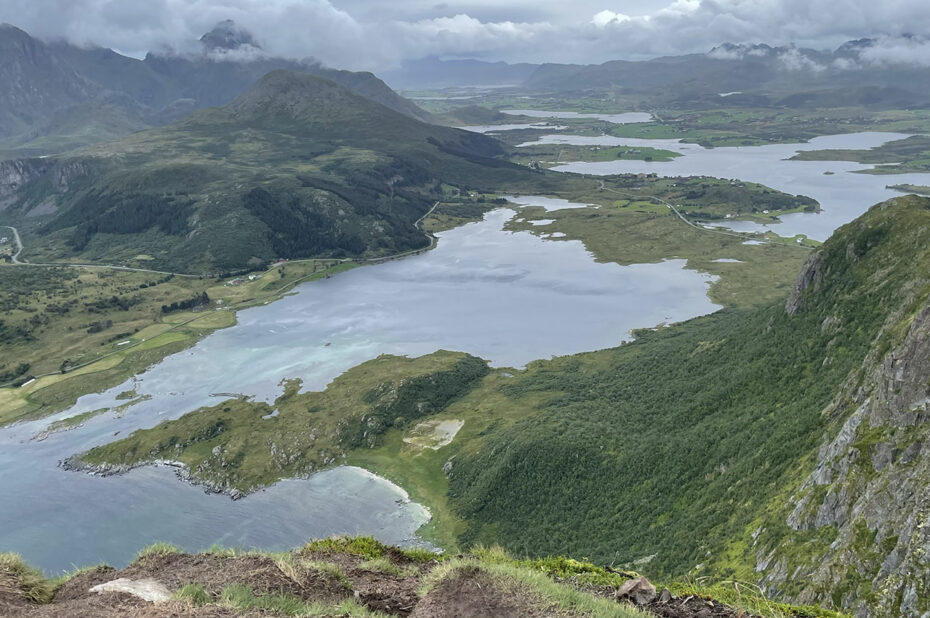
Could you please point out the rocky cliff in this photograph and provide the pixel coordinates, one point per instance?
(859, 519)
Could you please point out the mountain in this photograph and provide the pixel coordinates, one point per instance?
(433, 73)
(35, 82)
(753, 75)
(55, 96)
(297, 166)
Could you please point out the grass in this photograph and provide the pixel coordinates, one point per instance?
(748, 598)
(627, 234)
(354, 411)
(384, 565)
(18, 578)
(156, 550)
(242, 598)
(582, 572)
(510, 579)
(95, 361)
(193, 594)
(73, 421)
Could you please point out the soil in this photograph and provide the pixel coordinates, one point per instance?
(470, 593)
(694, 607)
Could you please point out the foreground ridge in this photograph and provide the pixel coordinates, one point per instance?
(359, 576)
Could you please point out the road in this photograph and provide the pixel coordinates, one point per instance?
(754, 237)
(17, 242)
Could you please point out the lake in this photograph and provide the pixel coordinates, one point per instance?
(504, 296)
(843, 194)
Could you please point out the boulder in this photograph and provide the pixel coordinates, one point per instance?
(638, 591)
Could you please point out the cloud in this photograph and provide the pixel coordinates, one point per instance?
(373, 34)
(897, 50)
(606, 17)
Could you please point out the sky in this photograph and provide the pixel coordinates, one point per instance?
(380, 34)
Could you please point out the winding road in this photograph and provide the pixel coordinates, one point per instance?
(17, 242)
(755, 237)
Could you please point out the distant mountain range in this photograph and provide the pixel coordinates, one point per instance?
(863, 72)
(57, 96)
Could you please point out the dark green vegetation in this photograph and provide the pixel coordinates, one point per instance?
(917, 189)
(672, 449)
(242, 445)
(359, 577)
(903, 156)
(298, 166)
(672, 454)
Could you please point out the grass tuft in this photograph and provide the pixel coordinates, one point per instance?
(19, 578)
(581, 571)
(364, 546)
(157, 549)
(193, 594)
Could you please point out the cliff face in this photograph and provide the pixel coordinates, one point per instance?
(867, 499)
(57, 174)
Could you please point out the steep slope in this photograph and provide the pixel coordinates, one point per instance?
(784, 445)
(55, 96)
(868, 497)
(34, 83)
(297, 166)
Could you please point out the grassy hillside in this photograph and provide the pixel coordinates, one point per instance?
(297, 166)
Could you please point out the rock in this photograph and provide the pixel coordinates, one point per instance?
(146, 589)
(664, 597)
(638, 591)
(811, 275)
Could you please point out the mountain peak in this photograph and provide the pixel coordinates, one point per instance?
(228, 36)
(285, 96)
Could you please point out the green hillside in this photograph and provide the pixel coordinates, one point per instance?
(297, 166)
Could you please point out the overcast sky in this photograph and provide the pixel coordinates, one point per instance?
(379, 34)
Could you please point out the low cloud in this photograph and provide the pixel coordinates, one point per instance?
(367, 35)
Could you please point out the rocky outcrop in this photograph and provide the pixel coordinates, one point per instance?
(16, 174)
(811, 276)
(869, 492)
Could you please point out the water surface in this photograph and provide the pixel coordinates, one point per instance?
(843, 195)
(507, 297)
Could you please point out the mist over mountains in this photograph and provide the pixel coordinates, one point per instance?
(56, 96)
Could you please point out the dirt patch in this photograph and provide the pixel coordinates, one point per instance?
(694, 607)
(470, 593)
(379, 591)
(433, 434)
(78, 586)
(119, 605)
